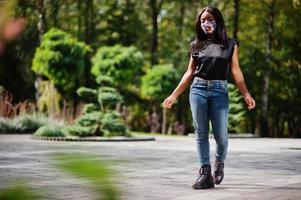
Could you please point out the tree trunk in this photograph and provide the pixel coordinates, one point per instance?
(89, 14)
(155, 9)
(79, 19)
(41, 30)
(164, 117)
(264, 125)
(42, 18)
(236, 15)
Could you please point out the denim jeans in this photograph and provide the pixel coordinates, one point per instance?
(209, 100)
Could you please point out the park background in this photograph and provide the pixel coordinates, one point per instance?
(143, 46)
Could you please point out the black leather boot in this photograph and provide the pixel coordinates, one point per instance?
(205, 179)
(218, 172)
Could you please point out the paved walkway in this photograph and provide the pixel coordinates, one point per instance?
(164, 169)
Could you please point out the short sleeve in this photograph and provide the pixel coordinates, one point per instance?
(192, 49)
(232, 43)
(235, 42)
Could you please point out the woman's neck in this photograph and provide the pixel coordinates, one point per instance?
(211, 37)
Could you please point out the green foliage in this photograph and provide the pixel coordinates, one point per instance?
(237, 110)
(159, 82)
(50, 131)
(123, 64)
(104, 80)
(97, 171)
(18, 192)
(113, 126)
(87, 93)
(6, 126)
(91, 107)
(100, 119)
(58, 57)
(23, 123)
(109, 99)
(77, 130)
(90, 119)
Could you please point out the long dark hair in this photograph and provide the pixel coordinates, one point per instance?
(219, 34)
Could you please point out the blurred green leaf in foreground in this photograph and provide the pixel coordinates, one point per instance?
(95, 170)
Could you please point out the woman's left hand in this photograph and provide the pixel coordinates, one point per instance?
(249, 101)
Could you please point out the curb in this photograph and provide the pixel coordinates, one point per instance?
(95, 139)
(231, 135)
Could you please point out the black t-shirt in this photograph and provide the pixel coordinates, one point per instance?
(213, 62)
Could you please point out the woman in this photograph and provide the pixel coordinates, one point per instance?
(212, 56)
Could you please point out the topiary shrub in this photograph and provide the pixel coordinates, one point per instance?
(87, 94)
(50, 131)
(61, 58)
(91, 107)
(78, 130)
(100, 119)
(111, 125)
(123, 64)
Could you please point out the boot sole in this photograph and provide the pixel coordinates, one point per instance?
(218, 182)
(208, 186)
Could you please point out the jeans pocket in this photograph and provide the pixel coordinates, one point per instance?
(224, 86)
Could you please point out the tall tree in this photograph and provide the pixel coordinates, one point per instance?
(235, 20)
(264, 126)
(42, 17)
(155, 9)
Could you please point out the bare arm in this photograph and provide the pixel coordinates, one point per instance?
(184, 83)
(239, 79)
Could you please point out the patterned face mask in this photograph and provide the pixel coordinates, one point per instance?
(208, 26)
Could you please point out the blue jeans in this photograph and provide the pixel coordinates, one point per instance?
(209, 100)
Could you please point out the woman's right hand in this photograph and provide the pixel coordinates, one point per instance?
(169, 101)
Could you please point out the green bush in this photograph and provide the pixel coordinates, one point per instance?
(91, 107)
(122, 64)
(87, 94)
(109, 99)
(78, 130)
(113, 126)
(105, 81)
(90, 119)
(100, 119)
(158, 82)
(237, 110)
(28, 123)
(50, 131)
(61, 58)
(23, 123)
(6, 125)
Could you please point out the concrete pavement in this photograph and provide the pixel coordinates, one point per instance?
(256, 168)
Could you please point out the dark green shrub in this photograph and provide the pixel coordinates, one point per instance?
(61, 58)
(78, 130)
(105, 81)
(237, 110)
(90, 119)
(87, 94)
(113, 126)
(6, 126)
(159, 81)
(91, 107)
(23, 123)
(28, 123)
(109, 99)
(123, 64)
(50, 131)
